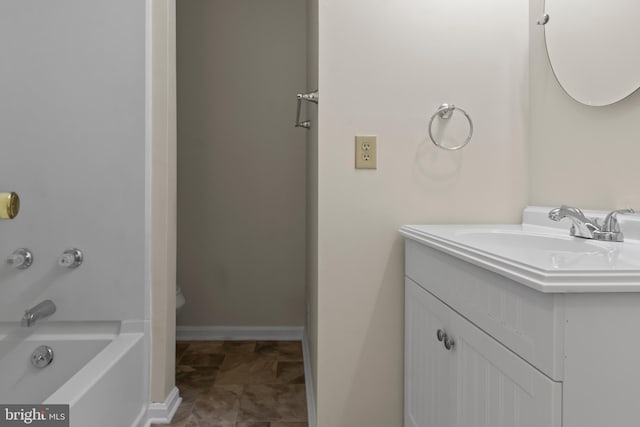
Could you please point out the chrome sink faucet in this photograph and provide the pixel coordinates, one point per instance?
(45, 309)
(589, 228)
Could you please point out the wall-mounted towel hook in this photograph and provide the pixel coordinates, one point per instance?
(311, 97)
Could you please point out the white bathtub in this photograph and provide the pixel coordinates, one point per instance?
(98, 369)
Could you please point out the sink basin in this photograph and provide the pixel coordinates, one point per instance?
(523, 240)
(540, 253)
(552, 251)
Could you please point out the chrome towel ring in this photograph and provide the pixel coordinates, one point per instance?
(445, 111)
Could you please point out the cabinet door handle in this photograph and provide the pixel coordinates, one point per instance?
(441, 335)
(449, 343)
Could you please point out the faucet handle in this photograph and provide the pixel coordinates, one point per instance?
(71, 258)
(611, 220)
(20, 258)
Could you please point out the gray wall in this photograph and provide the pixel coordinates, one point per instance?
(72, 131)
(241, 164)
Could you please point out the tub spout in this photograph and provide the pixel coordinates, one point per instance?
(45, 309)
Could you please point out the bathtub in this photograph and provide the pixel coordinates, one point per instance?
(98, 369)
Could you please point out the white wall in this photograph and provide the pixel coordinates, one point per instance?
(72, 126)
(163, 197)
(579, 155)
(241, 163)
(384, 69)
(312, 192)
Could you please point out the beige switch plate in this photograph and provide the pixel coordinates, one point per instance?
(366, 152)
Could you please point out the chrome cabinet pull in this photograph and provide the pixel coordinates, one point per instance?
(449, 343)
(442, 336)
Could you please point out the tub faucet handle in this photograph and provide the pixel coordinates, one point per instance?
(71, 258)
(20, 258)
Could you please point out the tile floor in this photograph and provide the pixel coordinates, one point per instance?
(240, 384)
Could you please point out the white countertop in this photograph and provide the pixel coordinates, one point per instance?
(541, 254)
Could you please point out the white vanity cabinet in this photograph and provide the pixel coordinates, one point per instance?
(522, 356)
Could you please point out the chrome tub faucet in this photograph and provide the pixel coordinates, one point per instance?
(589, 228)
(43, 310)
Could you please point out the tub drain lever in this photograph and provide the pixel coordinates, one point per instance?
(42, 356)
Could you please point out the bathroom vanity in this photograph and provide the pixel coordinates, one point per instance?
(521, 325)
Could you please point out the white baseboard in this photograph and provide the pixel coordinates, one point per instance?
(236, 333)
(162, 413)
(308, 380)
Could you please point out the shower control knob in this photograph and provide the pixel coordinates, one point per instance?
(20, 258)
(71, 258)
(42, 356)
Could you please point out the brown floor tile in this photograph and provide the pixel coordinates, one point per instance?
(180, 417)
(240, 384)
(253, 424)
(205, 346)
(282, 350)
(202, 353)
(194, 422)
(247, 368)
(268, 424)
(239, 346)
(181, 346)
(219, 407)
(194, 382)
(273, 402)
(202, 359)
(290, 373)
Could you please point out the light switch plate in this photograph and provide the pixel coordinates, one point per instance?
(366, 152)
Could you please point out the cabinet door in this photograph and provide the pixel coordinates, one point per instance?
(496, 388)
(477, 383)
(429, 370)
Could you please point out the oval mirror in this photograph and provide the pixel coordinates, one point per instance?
(594, 48)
